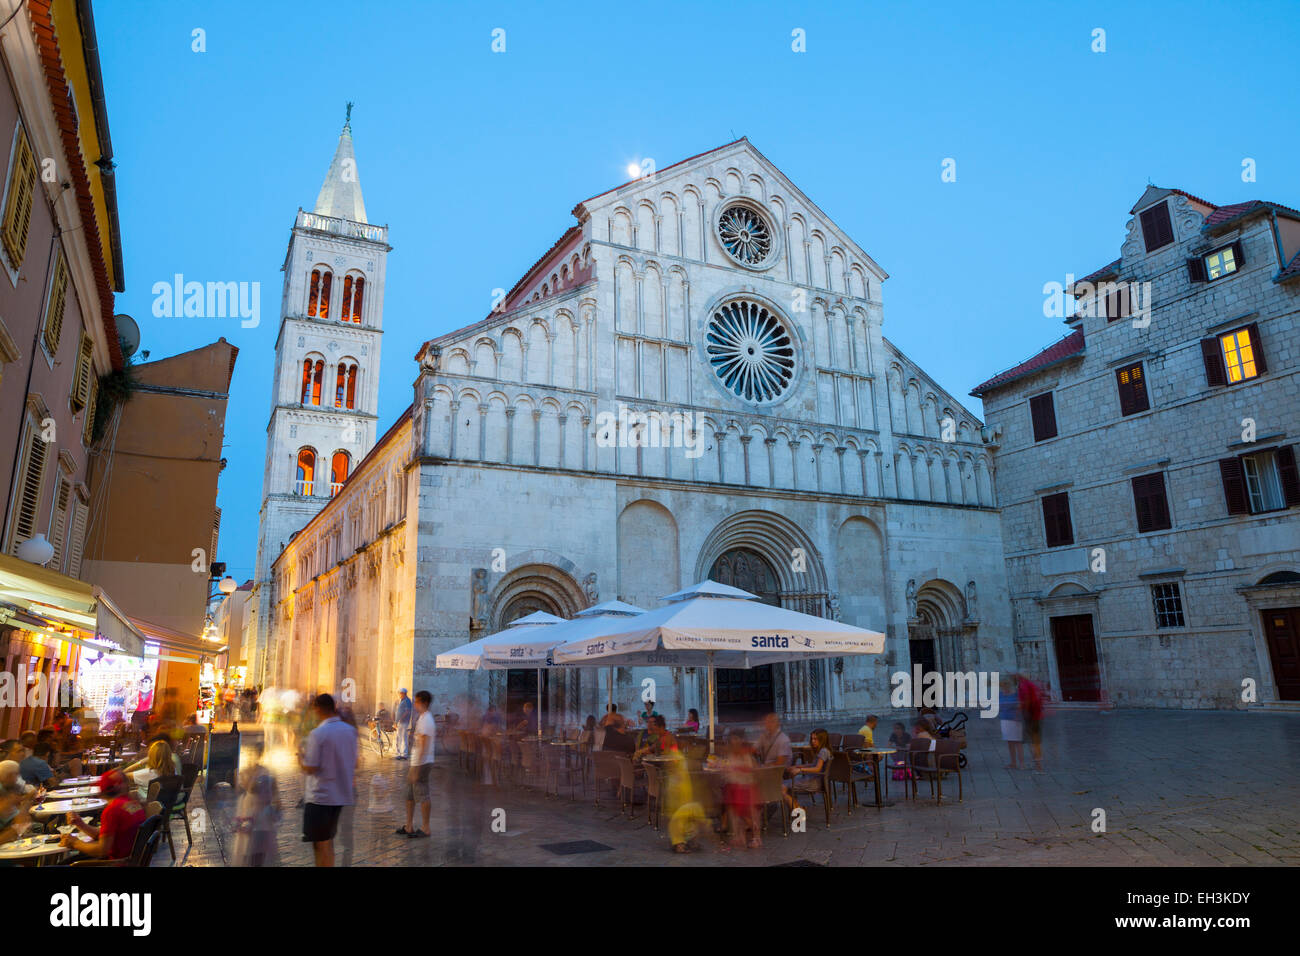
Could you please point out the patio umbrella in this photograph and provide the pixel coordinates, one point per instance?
(591, 625)
(716, 625)
(523, 644)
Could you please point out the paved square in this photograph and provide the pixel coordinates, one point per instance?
(1178, 788)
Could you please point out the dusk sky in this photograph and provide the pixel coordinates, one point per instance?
(474, 159)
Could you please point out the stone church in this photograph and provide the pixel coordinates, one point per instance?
(691, 382)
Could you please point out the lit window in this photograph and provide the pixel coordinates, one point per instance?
(306, 470)
(1238, 355)
(315, 291)
(1263, 483)
(338, 471)
(1168, 604)
(1220, 263)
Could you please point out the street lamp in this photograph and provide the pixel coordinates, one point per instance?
(35, 550)
(228, 585)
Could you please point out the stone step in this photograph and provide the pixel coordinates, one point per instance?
(1275, 707)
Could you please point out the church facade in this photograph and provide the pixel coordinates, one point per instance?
(691, 382)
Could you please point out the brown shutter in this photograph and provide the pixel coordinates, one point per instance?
(1157, 230)
(1215, 371)
(1042, 412)
(1056, 520)
(1236, 254)
(1257, 348)
(1150, 501)
(1290, 478)
(1196, 270)
(1234, 485)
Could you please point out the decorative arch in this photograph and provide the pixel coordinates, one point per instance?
(775, 538)
(535, 586)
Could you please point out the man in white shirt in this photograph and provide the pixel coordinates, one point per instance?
(329, 759)
(422, 757)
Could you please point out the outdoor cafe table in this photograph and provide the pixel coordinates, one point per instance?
(73, 793)
(55, 808)
(69, 783)
(39, 848)
(877, 756)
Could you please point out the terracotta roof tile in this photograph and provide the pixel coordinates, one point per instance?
(1068, 347)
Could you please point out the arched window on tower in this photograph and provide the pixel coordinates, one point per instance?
(346, 315)
(315, 292)
(306, 471)
(306, 381)
(352, 386)
(317, 382)
(339, 388)
(338, 471)
(325, 282)
(357, 289)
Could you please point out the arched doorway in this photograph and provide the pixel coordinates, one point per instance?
(746, 694)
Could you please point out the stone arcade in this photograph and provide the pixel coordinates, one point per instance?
(713, 293)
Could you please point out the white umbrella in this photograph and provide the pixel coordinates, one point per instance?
(720, 626)
(590, 625)
(523, 644)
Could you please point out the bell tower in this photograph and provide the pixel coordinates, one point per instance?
(325, 390)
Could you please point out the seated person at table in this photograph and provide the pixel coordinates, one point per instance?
(157, 764)
(67, 752)
(588, 736)
(922, 729)
(692, 724)
(36, 769)
(657, 739)
(14, 819)
(143, 762)
(868, 731)
(115, 835)
(528, 722)
(617, 740)
(613, 719)
(13, 750)
(807, 778)
(774, 746)
(11, 780)
(493, 723)
(900, 738)
(930, 719)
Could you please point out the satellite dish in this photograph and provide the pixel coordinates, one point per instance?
(128, 332)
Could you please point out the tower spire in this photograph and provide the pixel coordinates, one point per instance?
(340, 194)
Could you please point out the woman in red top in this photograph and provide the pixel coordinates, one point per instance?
(115, 835)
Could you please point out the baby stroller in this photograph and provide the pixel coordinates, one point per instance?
(955, 729)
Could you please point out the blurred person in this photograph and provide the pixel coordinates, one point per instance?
(402, 717)
(13, 750)
(648, 713)
(493, 723)
(900, 738)
(143, 762)
(868, 731)
(14, 818)
(613, 719)
(528, 720)
(686, 816)
(929, 717)
(257, 816)
(739, 793)
(418, 782)
(1013, 729)
(588, 735)
(36, 770)
(114, 838)
(329, 759)
(67, 754)
(806, 778)
(692, 724)
(1030, 698)
(922, 729)
(774, 748)
(11, 780)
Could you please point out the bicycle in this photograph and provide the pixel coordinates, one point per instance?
(381, 729)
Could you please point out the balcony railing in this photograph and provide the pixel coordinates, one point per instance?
(342, 227)
(303, 488)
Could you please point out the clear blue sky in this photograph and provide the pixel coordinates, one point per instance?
(474, 159)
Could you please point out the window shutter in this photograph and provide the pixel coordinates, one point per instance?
(18, 209)
(1257, 347)
(1157, 230)
(85, 365)
(88, 423)
(1290, 478)
(76, 539)
(1234, 485)
(1196, 270)
(1056, 520)
(1215, 371)
(1150, 502)
(54, 308)
(1042, 412)
(58, 527)
(30, 484)
(1237, 256)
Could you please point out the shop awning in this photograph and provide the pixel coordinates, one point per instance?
(174, 645)
(61, 607)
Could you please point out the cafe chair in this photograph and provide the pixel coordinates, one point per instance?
(628, 776)
(181, 805)
(605, 768)
(934, 765)
(559, 769)
(767, 782)
(654, 782)
(142, 850)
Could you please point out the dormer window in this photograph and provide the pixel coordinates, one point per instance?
(1215, 265)
(1157, 230)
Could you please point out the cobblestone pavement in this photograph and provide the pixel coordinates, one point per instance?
(1177, 788)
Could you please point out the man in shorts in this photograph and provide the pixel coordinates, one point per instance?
(422, 757)
(329, 759)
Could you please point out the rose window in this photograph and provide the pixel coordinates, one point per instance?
(751, 351)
